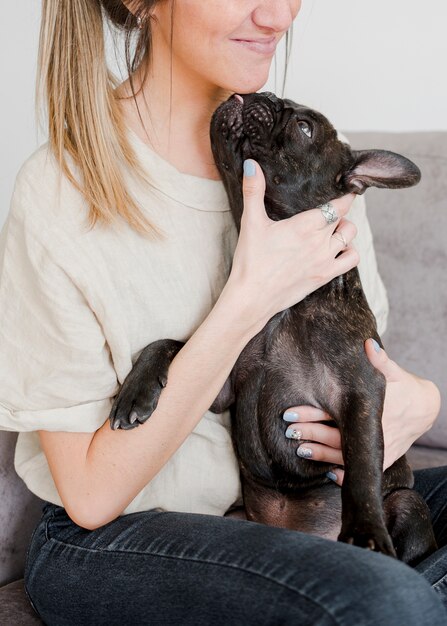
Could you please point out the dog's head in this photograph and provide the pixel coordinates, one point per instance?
(304, 162)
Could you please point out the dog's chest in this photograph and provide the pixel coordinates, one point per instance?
(317, 346)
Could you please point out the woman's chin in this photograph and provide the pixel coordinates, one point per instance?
(249, 84)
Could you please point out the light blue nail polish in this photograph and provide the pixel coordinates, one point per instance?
(376, 345)
(332, 476)
(249, 167)
(304, 453)
(293, 433)
(290, 416)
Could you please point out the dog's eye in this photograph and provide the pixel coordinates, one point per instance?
(305, 128)
(276, 179)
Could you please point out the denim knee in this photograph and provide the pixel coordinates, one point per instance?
(369, 589)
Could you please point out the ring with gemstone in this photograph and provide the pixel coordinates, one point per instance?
(329, 213)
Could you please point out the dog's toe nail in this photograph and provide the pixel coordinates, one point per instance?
(371, 544)
(163, 380)
(133, 417)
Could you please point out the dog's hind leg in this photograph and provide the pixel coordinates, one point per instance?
(360, 422)
(408, 521)
(407, 515)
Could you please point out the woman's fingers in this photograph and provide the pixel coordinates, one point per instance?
(315, 217)
(315, 432)
(320, 442)
(317, 452)
(381, 361)
(348, 259)
(342, 236)
(253, 191)
(336, 475)
(305, 413)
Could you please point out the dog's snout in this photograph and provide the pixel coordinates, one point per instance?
(258, 117)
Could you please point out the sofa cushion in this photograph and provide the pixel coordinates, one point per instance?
(425, 456)
(15, 608)
(19, 511)
(410, 236)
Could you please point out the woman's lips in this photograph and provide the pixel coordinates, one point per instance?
(261, 46)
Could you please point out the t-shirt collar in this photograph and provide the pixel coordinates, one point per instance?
(196, 192)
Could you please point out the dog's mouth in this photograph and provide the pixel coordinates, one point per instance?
(227, 120)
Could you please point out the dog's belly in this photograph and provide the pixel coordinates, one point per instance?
(311, 357)
(302, 382)
(263, 450)
(312, 511)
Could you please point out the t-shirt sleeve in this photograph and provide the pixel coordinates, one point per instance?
(372, 283)
(56, 371)
(373, 286)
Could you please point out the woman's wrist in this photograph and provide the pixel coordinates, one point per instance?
(431, 398)
(240, 309)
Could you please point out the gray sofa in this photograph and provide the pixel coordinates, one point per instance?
(410, 229)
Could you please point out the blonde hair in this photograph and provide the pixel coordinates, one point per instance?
(85, 120)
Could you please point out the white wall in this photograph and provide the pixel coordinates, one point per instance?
(372, 64)
(377, 64)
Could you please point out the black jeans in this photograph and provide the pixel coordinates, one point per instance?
(159, 568)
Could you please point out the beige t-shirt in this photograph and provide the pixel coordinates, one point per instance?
(78, 306)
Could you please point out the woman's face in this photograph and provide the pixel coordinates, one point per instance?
(226, 43)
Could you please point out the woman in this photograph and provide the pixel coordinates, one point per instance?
(79, 305)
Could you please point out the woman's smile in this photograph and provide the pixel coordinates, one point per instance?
(261, 46)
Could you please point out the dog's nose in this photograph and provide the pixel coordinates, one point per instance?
(238, 97)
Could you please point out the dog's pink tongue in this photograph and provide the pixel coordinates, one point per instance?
(238, 97)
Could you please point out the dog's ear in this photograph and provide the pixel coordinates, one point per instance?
(380, 168)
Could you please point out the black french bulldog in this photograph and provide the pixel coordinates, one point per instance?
(310, 354)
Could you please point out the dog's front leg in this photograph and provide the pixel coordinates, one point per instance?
(138, 397)
(363, 519)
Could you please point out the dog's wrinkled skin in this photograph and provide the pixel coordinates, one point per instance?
(310, 354)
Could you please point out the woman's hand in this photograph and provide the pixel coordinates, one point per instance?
(411, 406)
(278, 263)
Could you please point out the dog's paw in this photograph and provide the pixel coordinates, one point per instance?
(139, 394)
(377, 540)
(136, 401)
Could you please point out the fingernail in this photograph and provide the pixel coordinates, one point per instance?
(332, 476)
(249, 168)
(290, 416)
(376, 345)
(305, 453)
(293, 433)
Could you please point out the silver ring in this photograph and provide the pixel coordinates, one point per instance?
(340, 237)
(329, 213)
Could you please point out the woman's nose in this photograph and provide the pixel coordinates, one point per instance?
(276, 15)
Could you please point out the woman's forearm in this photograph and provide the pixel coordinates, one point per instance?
(120, 463)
